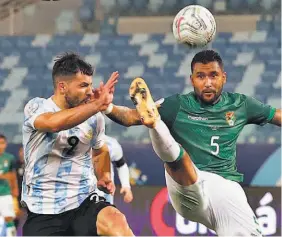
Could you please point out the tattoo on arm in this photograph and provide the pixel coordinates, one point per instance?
(125, 116)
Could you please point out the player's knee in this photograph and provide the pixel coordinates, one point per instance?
(111, 221)
(119, 224)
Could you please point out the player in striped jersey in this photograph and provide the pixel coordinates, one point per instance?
(118, 161)
(60, 135)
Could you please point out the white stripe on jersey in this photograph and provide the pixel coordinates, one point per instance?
(59, 174)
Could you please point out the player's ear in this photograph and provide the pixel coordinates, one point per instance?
(224, 76)
(61, 86)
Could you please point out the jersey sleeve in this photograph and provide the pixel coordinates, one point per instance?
(257, 112)
(168, 109)
(100, 132)
(32, 110)
(115, 149)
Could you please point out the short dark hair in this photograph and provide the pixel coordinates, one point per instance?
(206, 56)
(69, 64)
(3, 136)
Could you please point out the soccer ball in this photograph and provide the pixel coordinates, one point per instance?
(194, 25)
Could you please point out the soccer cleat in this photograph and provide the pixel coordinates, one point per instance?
(145, 105)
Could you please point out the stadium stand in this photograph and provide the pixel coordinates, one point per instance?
(163, 7)
(15, 5)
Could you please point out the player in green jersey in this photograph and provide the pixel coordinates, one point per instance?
(8, 187)
(201, 174)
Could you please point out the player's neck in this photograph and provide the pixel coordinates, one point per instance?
(208, 104)
(217, 100)
(60, 102)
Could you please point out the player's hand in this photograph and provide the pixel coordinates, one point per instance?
(106, 185)
(102, 97)
(105, 92)
(110, 85)
(128, 196)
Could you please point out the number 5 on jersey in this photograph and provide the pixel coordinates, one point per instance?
(215, 145)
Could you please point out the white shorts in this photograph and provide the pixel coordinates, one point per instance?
(218, 203)
(2, 226)
(7, 206)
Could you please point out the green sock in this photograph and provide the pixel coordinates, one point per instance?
(10, 224)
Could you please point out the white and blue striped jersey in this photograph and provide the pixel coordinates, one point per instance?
(59, 173)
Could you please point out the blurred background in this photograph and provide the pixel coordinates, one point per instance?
(135, 38)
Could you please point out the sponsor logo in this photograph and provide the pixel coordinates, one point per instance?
(136, 175)
(89, 134)
(266, 220)
(197, 118)
(96, 198)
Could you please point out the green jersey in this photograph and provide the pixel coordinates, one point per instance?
(6, 165)
(209, 133)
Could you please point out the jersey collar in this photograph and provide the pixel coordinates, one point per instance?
(218, 102)
(53, 104)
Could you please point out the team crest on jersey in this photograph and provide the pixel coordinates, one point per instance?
(89, 134)
(230, 118)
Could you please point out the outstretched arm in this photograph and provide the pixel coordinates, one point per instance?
(124, 115)
(65, 119)
(45, 121)
(260, 113)
(277, 118)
